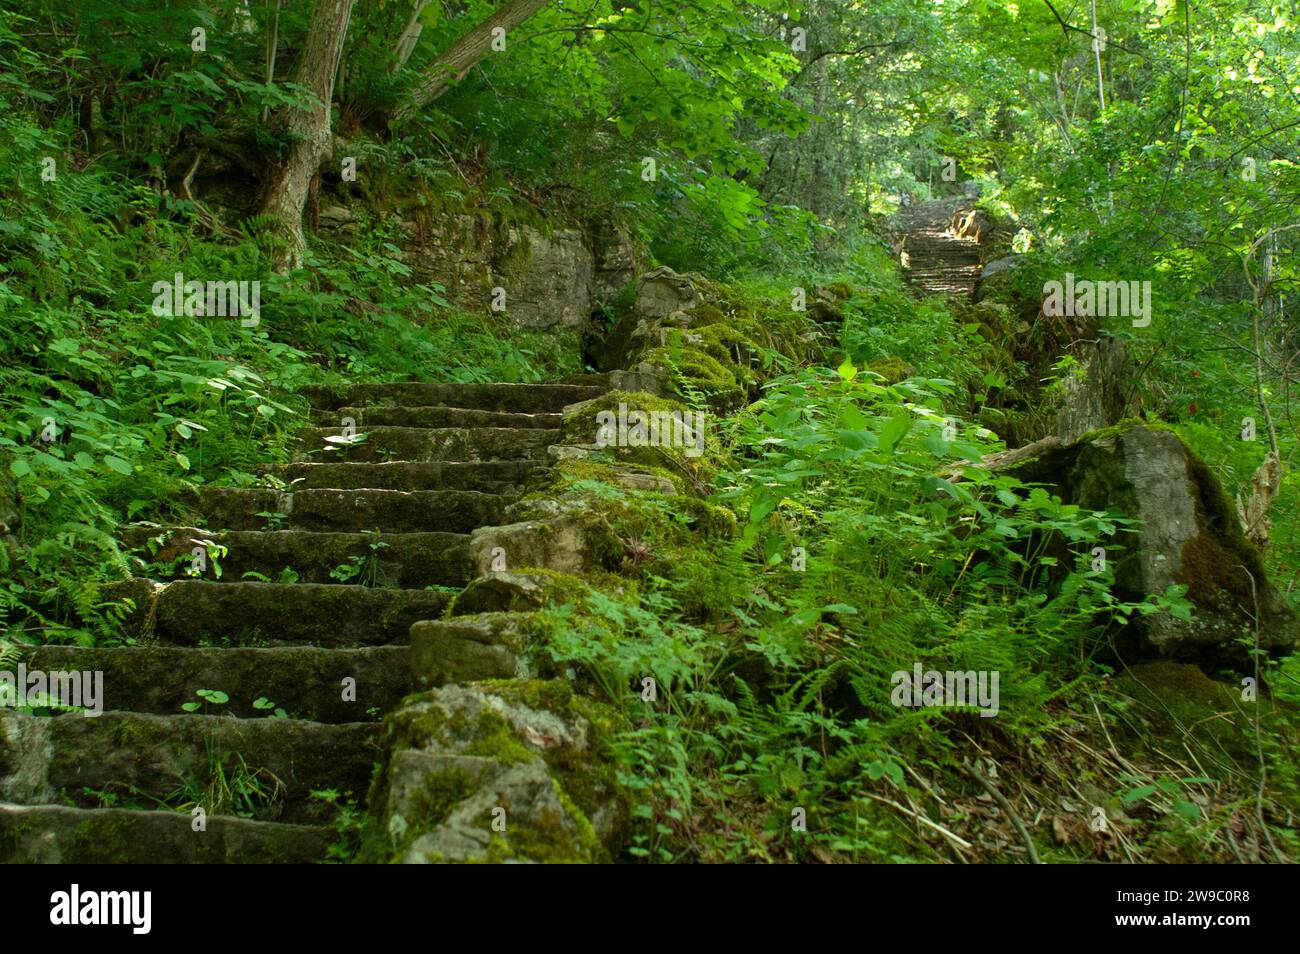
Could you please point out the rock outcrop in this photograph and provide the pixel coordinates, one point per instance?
(550, 278)
(1188, 534)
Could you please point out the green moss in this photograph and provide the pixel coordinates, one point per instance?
(566, 474)
(1212, 562)
(493, 738)
(581, 427)
(1121, 427)
(1177, 701)
(584, 774)
(893, 370)
(696, 371)
(705, 315)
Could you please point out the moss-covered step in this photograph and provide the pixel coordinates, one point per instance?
(455, 511)
(405, 560)
(489, 476)
(58, 834)
(181, 760)
(375, 444)
(433, 416)
(194, 612)
(519, 398)
(468, 648)
(323, 685)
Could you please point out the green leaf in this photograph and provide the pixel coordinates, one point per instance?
(118, 464)
(895, 430)
(1139, 793)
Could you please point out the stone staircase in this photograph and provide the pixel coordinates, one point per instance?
(319, 586)
(938, 260)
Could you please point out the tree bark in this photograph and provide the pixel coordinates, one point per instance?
(410, 36)
(285, 191)
(461, 56)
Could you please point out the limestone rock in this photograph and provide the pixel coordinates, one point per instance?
(466, 648)
(1000, 265)
(554, 278)
(644, 377)
(504, 592)
(1188, 535)
(559, 544)
(1101, 395)
(333, 216)
(662, 292)
(616, 259)
(507, 771)
(547, 278)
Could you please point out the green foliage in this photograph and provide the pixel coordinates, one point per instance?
(772, 666)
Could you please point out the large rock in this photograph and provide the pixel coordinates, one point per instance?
(616, 259)
(466, 648)
(551, 278)
(663, 292)
(1188, 535)
(1102, 393)
(547, 278)
(503, 771)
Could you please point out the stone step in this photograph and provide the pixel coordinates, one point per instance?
(196, 612)
(429, 444)
(146, 759)
(433, 416)
(407, 561)
(308, 683)
(57, 834)
(494, 476)
(518, 398)
(419, 511)
(468, 648)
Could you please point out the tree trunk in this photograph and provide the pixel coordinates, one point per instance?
(410, 36)
(285, 191)
(461, 56)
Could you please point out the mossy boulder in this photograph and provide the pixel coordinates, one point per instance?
(516, 592)
(892, 369)
(469, 647)
(1188, 534)
(633, 428)
(500, 771)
